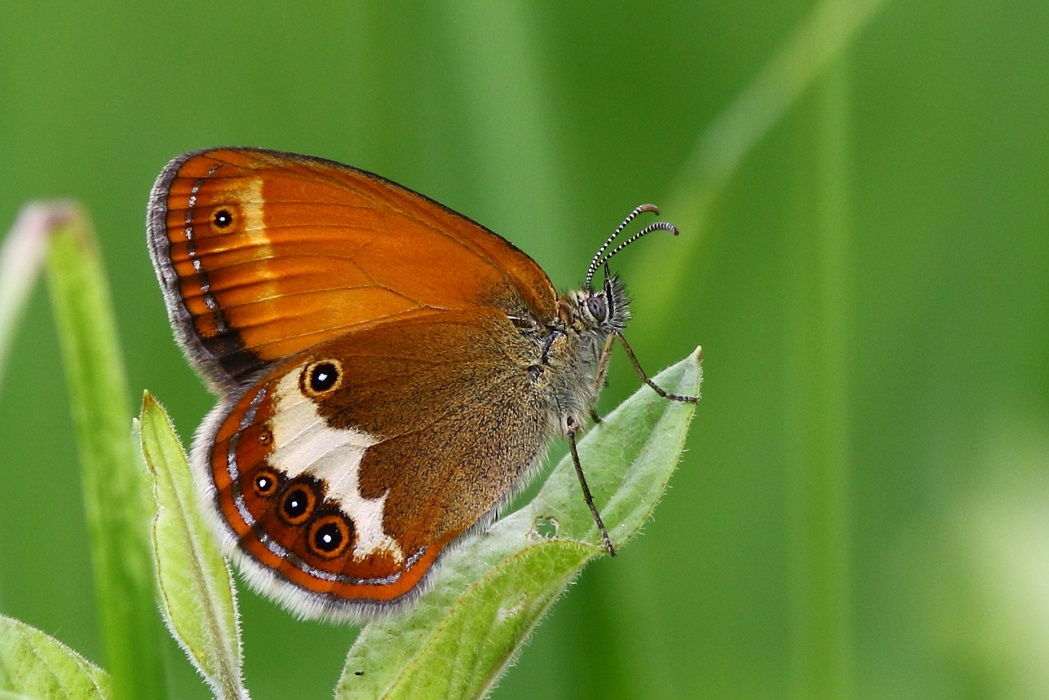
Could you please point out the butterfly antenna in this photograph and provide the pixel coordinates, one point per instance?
(658, 226)
(597, 261)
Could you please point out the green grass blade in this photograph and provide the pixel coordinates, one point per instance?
(490, 592)
(195, 586)
(113, 481)
(34, 665)
(792, 70)
(819, 497)
(510, 120)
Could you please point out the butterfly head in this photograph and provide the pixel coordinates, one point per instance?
(590, 318)
(604, 311)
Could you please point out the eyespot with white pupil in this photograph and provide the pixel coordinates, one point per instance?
(321, 377)
(266, 483)
(298, 503)
(597, 308)
(330, 535)
(223, 218)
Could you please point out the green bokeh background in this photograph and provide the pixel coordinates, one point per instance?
(871, 290)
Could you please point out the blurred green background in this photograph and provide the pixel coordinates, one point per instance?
(863, 509)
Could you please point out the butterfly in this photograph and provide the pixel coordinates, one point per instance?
(389, 373)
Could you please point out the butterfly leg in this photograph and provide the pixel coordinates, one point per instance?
(572, 427)
(602, 374)
(644, 377)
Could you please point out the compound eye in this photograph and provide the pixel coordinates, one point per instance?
(597, 308)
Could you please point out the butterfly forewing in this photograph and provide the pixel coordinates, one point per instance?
(263, 255)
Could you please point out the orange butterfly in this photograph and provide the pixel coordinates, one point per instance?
(389, 372)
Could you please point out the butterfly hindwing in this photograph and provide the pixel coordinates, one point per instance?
(326, 482)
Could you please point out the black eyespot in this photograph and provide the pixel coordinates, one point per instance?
(297, 504)
(321, 377)
(597, 308)
(330, 535)
(223, 218)
(266, 483)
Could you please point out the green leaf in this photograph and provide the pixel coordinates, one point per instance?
(115, 494)
(490, 592)
(34, 665)
(196, 589)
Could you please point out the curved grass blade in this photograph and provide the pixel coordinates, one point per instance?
(115, 494)
(21, 259)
